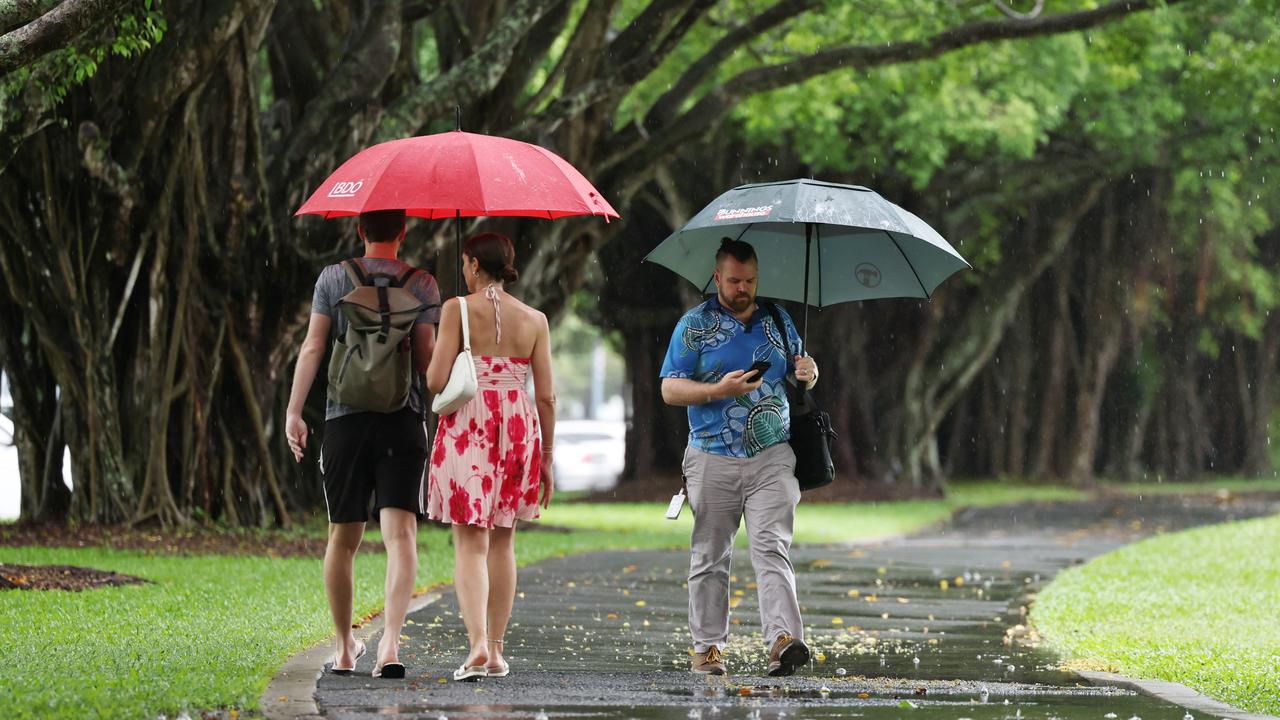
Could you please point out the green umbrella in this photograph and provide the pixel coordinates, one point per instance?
(859, 246)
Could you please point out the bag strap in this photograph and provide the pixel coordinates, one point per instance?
(782, 327)
(797, 395)
(384, 314)
(466, 325)
(355, 271)
(404, 279)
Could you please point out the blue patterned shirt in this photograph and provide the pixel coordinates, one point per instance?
(708, 343)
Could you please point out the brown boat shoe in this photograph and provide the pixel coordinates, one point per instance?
(710, 662)
(787, 655)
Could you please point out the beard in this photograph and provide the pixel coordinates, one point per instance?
(737, 303)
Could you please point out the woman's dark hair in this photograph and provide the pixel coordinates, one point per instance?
(737, 249)
(495, 254)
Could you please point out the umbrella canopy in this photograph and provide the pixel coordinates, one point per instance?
(457, 174)
(859, 246)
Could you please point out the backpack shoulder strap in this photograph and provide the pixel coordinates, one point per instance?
(404, 279)
(355, 271)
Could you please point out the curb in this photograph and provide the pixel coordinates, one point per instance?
(291, 693)
(1172, 692)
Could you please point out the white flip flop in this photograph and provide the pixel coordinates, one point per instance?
(333, 668)
(470, 674)
(501, 671)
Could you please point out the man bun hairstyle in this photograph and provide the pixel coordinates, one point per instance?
(496, 255)
(736, 249)
(381, 225)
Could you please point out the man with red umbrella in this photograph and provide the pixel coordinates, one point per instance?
(379, 314)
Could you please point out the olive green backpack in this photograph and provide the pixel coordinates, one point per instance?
(372, 364)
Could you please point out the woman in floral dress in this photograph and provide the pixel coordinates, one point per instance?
(491, 462)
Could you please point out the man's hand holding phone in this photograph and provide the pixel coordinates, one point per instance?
(758, 369)
(735, 384)
(740, 382)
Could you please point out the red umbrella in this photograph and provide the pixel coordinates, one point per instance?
(457, 174)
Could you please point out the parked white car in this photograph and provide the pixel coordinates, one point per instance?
(588, 454)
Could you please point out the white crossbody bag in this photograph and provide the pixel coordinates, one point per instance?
(462, 378)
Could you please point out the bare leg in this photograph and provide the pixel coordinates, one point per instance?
(400, 536)
(339, 585)
(502, 588)
(471, 578)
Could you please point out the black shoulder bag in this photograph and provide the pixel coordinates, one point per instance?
(811, 433)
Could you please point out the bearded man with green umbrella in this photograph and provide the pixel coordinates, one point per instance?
(728, 364)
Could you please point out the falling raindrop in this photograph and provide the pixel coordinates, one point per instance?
(915, 661)
(984, 695)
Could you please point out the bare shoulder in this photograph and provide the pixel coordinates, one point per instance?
(528, 311)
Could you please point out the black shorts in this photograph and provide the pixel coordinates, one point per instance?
(372, 454)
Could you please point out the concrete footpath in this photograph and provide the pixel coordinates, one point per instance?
(921, 627)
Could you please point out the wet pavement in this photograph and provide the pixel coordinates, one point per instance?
(930, 626)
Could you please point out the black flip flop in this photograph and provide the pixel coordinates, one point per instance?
(391, 671)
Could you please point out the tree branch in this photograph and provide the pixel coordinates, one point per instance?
(355, 80)
(467, 81)
(669, 103)
(16, 13)
(644, 28)
(615, 84)
(415, 10)
(52, 30)
(709, 109)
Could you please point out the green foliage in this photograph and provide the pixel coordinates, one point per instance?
(44, 84)
(1192, 607)
(1192, 92)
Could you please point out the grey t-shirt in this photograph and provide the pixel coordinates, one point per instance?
(333, 284)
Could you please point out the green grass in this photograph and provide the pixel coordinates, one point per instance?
(1232, 484)
(211, 631)
(1198, 607)
(208, 633)
(815, 522)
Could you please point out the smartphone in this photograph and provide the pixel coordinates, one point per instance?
(759, 368)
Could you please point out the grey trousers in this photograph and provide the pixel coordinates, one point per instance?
(723, 491)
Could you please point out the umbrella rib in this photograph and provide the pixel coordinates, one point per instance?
(484, 201)
(908, 262)
(569, 181)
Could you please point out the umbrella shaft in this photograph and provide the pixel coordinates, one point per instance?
(808, 242)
